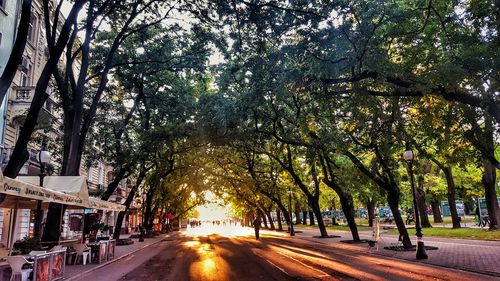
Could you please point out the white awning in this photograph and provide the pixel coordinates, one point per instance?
(75, 186)
(96, 203)
(26, 195)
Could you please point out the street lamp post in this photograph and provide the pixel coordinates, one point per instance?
(141, 235)
(43, 160)
(408, 155)
(292, 232)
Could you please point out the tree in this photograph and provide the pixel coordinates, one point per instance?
(56, 44)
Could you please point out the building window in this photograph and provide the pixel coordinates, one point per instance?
(32, 29)
(101, 174)
(89, 174)
(26, 69)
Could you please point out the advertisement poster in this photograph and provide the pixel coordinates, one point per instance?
(58, 266)
(42, 269)
(103, 253)
(111, 249)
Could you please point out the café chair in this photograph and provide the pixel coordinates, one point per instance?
(82, 251)
(16, 264)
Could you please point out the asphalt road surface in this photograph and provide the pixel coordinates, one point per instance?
(232, 253)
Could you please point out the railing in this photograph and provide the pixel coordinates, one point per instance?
(24, 93)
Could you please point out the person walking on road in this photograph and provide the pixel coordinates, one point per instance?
(256, 225)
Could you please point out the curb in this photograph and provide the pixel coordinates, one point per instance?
(80, 275)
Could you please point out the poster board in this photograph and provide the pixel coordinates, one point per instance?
(111, 249)
(483, 209)
(57, 265)
(49, 266)
(445, 207)
(103, 251)
(41, 268)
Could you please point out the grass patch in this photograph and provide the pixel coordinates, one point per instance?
(346, 228)
(466, 233)
(447, 220)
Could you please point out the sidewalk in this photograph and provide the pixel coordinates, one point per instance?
(464, 254)
(74, 272)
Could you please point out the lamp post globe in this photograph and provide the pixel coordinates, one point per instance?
(44, 156)
(408, 155)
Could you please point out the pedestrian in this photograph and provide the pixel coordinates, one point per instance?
(409, 218)
(256, 225)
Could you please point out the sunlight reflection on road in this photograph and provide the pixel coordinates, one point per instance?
(210, 262)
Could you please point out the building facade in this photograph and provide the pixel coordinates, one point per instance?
(14, 110)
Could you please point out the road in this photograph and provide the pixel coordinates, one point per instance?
(231, 253)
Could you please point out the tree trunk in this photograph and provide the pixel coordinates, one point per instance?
(286, 214)
(298, 208)
(393, 200)
(451, 196)
(72, 154)
(264, 219)
(317, 212)
(121, 215)
(489, 180)
(371, 204)
(50, 233)
(148, 214)
(436, 212)
(311, 218)
(284, 211)
(422, 207)
(151, 218)
(270, 218)
(16, 55)
(278, 216)
(304, 217)
(347, 204)
(489, 175)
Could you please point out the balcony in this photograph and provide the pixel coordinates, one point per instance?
(24, 93)
(22, 102)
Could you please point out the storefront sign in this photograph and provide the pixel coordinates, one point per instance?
(9, 188)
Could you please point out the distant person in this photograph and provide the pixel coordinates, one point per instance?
(409, 219)
(256, 225)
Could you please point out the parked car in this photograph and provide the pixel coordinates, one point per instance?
(362, 213)
(385, 215)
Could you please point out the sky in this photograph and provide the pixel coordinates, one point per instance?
(212, 211)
